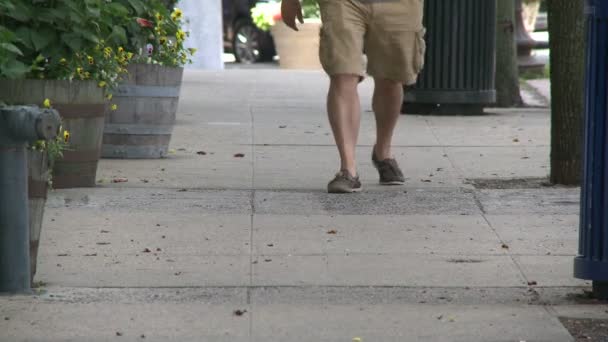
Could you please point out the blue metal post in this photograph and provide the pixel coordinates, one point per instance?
(18, 125)
(592, 262)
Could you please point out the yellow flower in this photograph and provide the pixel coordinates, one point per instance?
(107, 52)
(162, 40)
(121, 49)
(158, 16)
(192, 51)
(102, 84)
(79, 70)
(66, 136)
(114, 107)
(91, 60)
(63, 61)
(47, 103)
(109, 96)
(129, 55)
(87, 75)
(177, 14)
(180, 35)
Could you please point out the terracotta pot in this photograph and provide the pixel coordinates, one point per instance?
(298, 49)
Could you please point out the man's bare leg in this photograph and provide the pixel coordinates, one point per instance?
(344, 112)
(386, 103)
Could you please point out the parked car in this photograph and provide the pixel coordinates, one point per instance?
(241, 37)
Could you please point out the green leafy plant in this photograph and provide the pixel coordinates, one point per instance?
(311, 9)
(67, 39)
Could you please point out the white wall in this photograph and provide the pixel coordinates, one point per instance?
(205, 26)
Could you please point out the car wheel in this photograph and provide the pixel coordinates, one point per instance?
(250, 44)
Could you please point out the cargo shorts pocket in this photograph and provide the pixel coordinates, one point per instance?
(420, 50)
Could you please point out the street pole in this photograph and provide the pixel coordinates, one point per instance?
(592, 262)
(18, 125)
(204, 22)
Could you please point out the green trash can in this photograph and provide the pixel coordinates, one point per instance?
(459, 72)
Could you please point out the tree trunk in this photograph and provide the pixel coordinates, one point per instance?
(507, 73)
(567, 41)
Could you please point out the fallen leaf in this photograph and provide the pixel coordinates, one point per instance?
(505, 246)
(201, 153)
(177, 273)
(159, 250)
(103, 243)
(105, 231)
(239, 155)
(525, 157)
(239, 312)
(147, 250)
(333, 232)
(63, 254)
(6, 318)
(283, 126)
(532, 283)
(145, 181)
(118, 333)
(357, 339)
(181, 149)
(92, 254)
(182, 190)
(270, 245)
(426, 181)
(163, 236)
(516, 140)
(267, 260)
(440, 317)
(142, 336)
(120, 180)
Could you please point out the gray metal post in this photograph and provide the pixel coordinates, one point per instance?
(18, 125)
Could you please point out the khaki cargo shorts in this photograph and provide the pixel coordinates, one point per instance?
(389, 32)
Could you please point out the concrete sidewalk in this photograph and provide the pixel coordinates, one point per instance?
(233, 238)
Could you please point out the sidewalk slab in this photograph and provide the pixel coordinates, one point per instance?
(398, 323)
(312, 167)
(405, 201)
(538, 234)
(446, 235)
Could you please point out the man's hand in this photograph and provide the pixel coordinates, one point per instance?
(290, 9)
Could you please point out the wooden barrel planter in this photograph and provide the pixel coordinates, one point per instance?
(147, 102)
(38, 184)
(81, 105)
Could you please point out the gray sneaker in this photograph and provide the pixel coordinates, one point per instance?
(344, 183)
(390, 173)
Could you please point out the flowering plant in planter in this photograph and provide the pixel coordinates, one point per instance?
(266, 14)
(63, 40)
(156, 34)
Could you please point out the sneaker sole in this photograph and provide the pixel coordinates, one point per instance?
(352, 191)
(392, 183)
